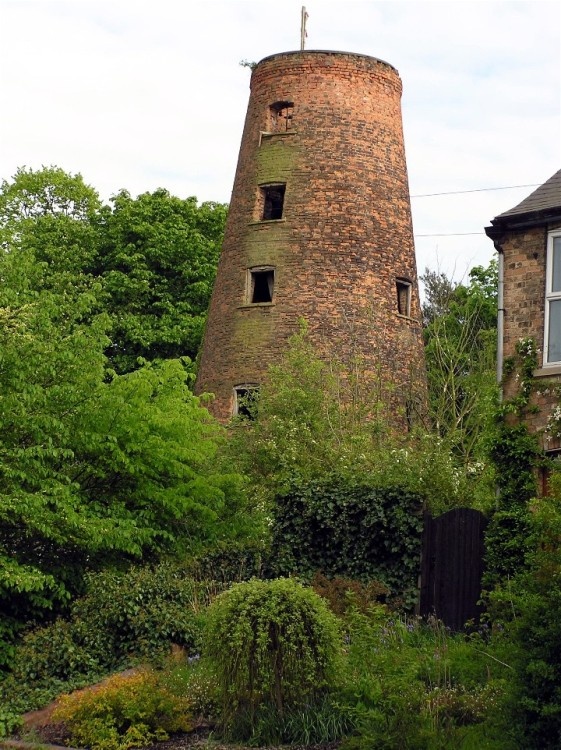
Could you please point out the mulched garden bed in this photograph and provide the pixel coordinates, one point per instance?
(54, 735)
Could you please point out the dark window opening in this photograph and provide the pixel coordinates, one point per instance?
(409, 414)
(245, 401)
(403, 297)
(273, 202)
(281, 116)
(261, 285)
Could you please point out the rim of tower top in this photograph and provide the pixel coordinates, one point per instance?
(340, 53)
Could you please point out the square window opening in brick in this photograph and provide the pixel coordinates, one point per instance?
(280, 116)
(261, 285)
(245, 402)
(403, 289)
(272, 197)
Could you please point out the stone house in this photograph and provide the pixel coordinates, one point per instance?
(528, 240)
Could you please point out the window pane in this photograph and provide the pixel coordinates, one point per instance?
(556, 265)
(554, 337)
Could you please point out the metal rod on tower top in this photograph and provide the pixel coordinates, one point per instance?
(303, 33)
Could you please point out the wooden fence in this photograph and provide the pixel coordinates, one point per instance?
(452, 566)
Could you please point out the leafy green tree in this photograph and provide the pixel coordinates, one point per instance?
(93, 471)
(158, 260)
(316, 419)
(155, 257)
(460, 338)
(95, 468)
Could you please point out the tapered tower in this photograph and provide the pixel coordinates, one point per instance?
(319, 228)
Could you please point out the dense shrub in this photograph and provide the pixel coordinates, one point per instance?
(351, 530)
(413, 686)
(142, 612)
(124, 712)
(529, 609)
(124, 618)
(274, 648)
(344, 594)
(232, 561)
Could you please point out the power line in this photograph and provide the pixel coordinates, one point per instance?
(476, 190)
(453, 234)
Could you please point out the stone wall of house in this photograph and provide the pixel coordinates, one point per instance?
(345, 237)
(525, 256)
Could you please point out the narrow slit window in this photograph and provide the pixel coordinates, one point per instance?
(403, 289)
(261, 285)
(280, 114)
(245, 401)
(273, 201)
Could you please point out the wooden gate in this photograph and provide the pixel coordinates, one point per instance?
(452, 566)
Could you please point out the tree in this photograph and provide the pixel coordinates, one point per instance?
(155, 257)
(95, 468)
(460, 347)
(158, 259)
(318, 419)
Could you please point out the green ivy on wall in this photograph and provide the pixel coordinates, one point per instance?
(349, 529)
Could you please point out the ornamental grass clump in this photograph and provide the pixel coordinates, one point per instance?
(274, 648)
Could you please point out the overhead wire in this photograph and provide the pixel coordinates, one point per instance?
(473, 190)
(461, 192)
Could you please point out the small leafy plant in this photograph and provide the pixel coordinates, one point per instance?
(125, 711)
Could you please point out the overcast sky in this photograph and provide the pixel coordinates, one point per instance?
(141, 95)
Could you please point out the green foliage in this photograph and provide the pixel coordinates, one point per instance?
(125, 711)
(529, 608)
(94, 467)
(10, 721)
(158, 257)
(318, 416)
(412, 685)
(47, 192)
(516, 455)
(143, 612)
(273, 647)
(460, 348)
(123, 618)
(232, 561)
(349, 529)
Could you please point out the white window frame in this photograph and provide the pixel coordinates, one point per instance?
(550, 296)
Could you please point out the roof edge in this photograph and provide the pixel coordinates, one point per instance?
(327, 52)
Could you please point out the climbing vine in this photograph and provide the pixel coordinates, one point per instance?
(517, 456)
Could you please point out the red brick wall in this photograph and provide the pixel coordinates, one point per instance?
(345, 235)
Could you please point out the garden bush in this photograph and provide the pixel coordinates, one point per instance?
(409, 685)
(125, 711)
(529, 609)
(124, 618)
(349, 529)
(274, 648)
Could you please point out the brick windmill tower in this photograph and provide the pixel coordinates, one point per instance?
(319, 228)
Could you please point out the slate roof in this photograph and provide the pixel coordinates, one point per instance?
(545, 197)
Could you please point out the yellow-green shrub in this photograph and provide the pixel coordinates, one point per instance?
(125, 711)
(272, 645)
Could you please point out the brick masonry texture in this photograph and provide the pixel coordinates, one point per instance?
(525, 255)
(344, 238)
